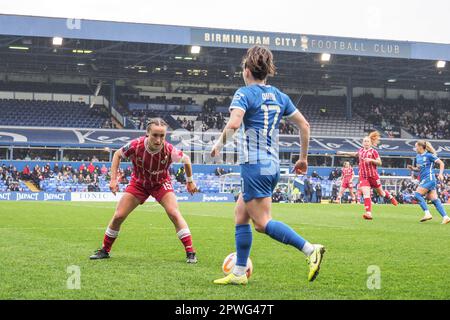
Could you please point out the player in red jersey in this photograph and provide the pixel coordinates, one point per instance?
(151, 156)
(369, 159)
(347, 182)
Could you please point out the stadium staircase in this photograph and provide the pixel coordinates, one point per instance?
(173, 123)
(31, 186)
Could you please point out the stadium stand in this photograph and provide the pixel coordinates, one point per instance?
(51, 114)
(10, 180)
(422, 118)
(326, 115)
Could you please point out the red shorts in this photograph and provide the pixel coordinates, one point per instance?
(157, 191)
(373, 182)
(347, 184)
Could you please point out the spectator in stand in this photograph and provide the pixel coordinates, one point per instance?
(91, 168)
(277, 196)
(316, 175)
(308, 189)
(318, 189)
(26, 173)
(104, 170)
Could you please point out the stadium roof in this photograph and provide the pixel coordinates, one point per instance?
(131, 51)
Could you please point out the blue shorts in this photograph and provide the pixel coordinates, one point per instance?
(259, 180)
(428, 184)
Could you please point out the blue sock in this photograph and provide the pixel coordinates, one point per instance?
(421, 200)
(284, 234)
(439, 207)
(243, 237)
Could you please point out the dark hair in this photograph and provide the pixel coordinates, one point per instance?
(259, 60)
(156, 121)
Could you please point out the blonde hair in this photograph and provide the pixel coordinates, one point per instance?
(427, 146)
(156, 121)
(374, 137)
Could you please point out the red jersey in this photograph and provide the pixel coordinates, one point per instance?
(150, 168)
(367, 170)
(347, 174)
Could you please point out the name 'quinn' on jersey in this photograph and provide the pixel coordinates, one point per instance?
(264, 106)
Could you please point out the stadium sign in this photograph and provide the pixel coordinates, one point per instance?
(301, 43)
(17, 25)
(35, 196)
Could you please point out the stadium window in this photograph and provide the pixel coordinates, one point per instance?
(3, 153)
(86, 155)
(38, 153)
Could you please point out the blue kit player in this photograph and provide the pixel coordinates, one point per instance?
(425, 160)
(255, 112)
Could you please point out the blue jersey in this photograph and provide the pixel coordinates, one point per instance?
(425, 163)
(264, 106)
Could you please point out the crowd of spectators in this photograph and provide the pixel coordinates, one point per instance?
(87, 174)
(10, 176)
(423, 118)
(408, 186)
(211, 121)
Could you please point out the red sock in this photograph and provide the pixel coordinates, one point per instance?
(187, 243)
(387, 195)
(109, 238)
(107, 243)
(368, 205)
(185, 237)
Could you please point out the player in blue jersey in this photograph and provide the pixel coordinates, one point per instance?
(425, 160)
(256, 111)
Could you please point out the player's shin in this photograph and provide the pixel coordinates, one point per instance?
(421, 201)
(439, 207)
(368, 206)
(243, 236)
(109, 238)
(283, 233)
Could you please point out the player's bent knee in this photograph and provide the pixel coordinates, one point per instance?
(259, 227)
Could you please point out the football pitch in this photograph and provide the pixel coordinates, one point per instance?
(391, 257)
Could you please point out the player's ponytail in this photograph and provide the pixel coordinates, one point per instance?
(427, 146)
(259, 60)
(374, 138)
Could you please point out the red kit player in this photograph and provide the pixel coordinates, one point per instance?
(369, 159)
(347, 181)
(151, 156)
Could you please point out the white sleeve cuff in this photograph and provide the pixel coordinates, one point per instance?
(292, 114)
(236, 107)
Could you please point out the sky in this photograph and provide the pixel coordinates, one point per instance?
(412, 20)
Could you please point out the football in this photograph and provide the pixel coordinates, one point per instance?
(230, 261)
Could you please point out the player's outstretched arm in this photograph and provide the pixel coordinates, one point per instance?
(412, 168)
(190, 184)
(376, 161)
(301, 166)
(234, 123)
(347, 154)
(113, 185)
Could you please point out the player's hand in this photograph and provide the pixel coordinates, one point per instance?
(441, 177)
(410, 167)
(114, 187)
(368, 160)
(215, 152)
(301, 167)
(191, 188)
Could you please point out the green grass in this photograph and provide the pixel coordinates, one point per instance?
(38, 241)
